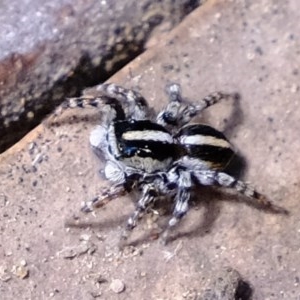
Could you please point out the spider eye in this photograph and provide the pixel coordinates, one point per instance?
(129, 151)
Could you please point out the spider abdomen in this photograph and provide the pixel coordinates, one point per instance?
(144, 145)
(207, 144)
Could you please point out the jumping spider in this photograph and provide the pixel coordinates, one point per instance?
(153, 156)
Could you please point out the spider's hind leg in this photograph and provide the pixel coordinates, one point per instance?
(208, 177)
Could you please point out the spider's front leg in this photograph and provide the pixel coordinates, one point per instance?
(181, 208)
(149, 195)
(179, 113)
(123, 184)
(111, 110)
(180, 180)
(102, 199)
(136, 106)
(123, 103)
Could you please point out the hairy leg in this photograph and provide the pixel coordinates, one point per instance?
(102, 199)
(116, 103)
(179, 113)
(123, 183)
(179, 180)
(207, 177)
(181, 208)
(149, 195)
(135, 104)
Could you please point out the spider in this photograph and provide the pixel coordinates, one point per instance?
(162, 156)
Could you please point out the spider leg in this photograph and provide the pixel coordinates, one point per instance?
(120, 103)
(181, 208)
(179, 179)
(208, 177)
(179, 113)
(123, 183)
(170, 115)
(149, 194)
(111, 109)
(135, 104)
(102, 199)
(190, 111)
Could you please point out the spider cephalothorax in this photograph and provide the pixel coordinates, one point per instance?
(161, 157)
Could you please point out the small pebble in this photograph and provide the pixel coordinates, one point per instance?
(4, 275)
(117, 286)
(96, 294)
(8, 253)
(143, 274)
(85, 237)
(23, 263)
(20, 271)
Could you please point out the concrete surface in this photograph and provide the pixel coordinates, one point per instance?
(236, 46)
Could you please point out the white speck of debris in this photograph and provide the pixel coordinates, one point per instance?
(23, 262)
(117, 286)
(146, 245)
(250, 56)
(294, 88)
(38, 159)
(31, 146)
(218, 15)
(85, 237)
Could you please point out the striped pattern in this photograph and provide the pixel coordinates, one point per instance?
(122, 94)
(199, 139)
(144, 139)
(211, 99)
(207, 144)
(90, 101)
(148, 135)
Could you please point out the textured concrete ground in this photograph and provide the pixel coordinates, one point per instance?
(237, 46)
